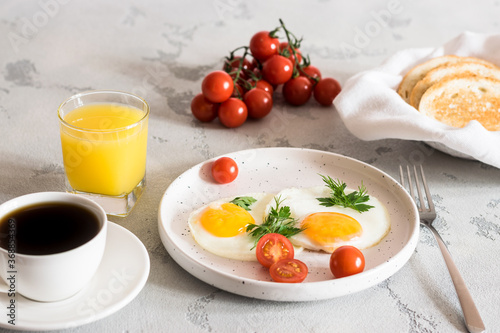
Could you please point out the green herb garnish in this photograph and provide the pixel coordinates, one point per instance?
(354, 200)
(243, 202)
(277, 221)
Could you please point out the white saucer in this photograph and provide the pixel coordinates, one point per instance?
(120, 277)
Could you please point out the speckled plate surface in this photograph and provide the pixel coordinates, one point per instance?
(270, 170)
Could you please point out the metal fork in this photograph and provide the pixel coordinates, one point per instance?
(427, 214)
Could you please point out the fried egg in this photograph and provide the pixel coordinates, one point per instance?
(327, 228)
(220, 227)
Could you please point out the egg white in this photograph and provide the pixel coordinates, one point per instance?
(303, 202)
(238, 247)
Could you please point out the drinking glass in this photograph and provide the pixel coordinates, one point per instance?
(104, 143)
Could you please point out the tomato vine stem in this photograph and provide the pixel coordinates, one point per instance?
(293, 44)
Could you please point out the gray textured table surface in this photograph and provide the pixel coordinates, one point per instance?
(161, 50)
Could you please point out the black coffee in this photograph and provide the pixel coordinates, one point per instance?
(47, 228)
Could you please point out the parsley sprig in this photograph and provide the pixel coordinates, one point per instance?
(277, 221)
(244, 202)
(355, 200)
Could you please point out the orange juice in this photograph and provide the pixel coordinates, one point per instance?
(104, 148)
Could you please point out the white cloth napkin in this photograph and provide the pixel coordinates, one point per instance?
(372, 109)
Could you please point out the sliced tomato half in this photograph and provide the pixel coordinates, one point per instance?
(273, 247)
(288, 270)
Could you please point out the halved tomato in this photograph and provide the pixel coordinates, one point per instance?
(273, 247)
(288, 270)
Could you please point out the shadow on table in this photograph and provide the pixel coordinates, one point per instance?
(20, 176)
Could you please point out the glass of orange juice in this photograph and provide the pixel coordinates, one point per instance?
(104, 139)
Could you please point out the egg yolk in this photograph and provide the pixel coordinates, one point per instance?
(330, 227)
(228, 220)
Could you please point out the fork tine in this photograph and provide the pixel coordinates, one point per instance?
(417, 184)
(427, 192)
(401, 176)
(410, 183)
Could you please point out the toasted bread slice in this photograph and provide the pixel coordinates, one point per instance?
(458, 100)
(465, 67)
(418, 72)
(479, 60)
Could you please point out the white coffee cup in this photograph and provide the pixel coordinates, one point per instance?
(52, 277)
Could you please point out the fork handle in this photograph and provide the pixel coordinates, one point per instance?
(473, 320)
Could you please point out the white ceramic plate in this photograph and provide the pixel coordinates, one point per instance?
(120, 277)
(270, 170)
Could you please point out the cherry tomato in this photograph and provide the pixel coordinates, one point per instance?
(288, 270)
(286, 50)
(233, 112)
(263, 45)
(297, 91)
(255, 64)
(257, 72)
(326, 90)
(224, 170)
(217, 86)
(259, 103)
(234, 64)
(264, 85)
(346, 260)
(277, 69)
(272, 248)
(255, 68)
(311, 72)
(203, 109)
(238, 91)
(242, 76)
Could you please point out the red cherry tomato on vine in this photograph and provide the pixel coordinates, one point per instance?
(262, 84)
(326, 90)
(259, 103)
(285, 46)
(217, 86)
(288, 270)
(224, 170)
(346, 260)
(238, 91)
(297, 91)
(277, 69)
(263, 45)
(233, 112)
(257, 72)
(311, 72)
(255, 64)
(243, 75)
(272, 248)
(234, 64)
(203, 109)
